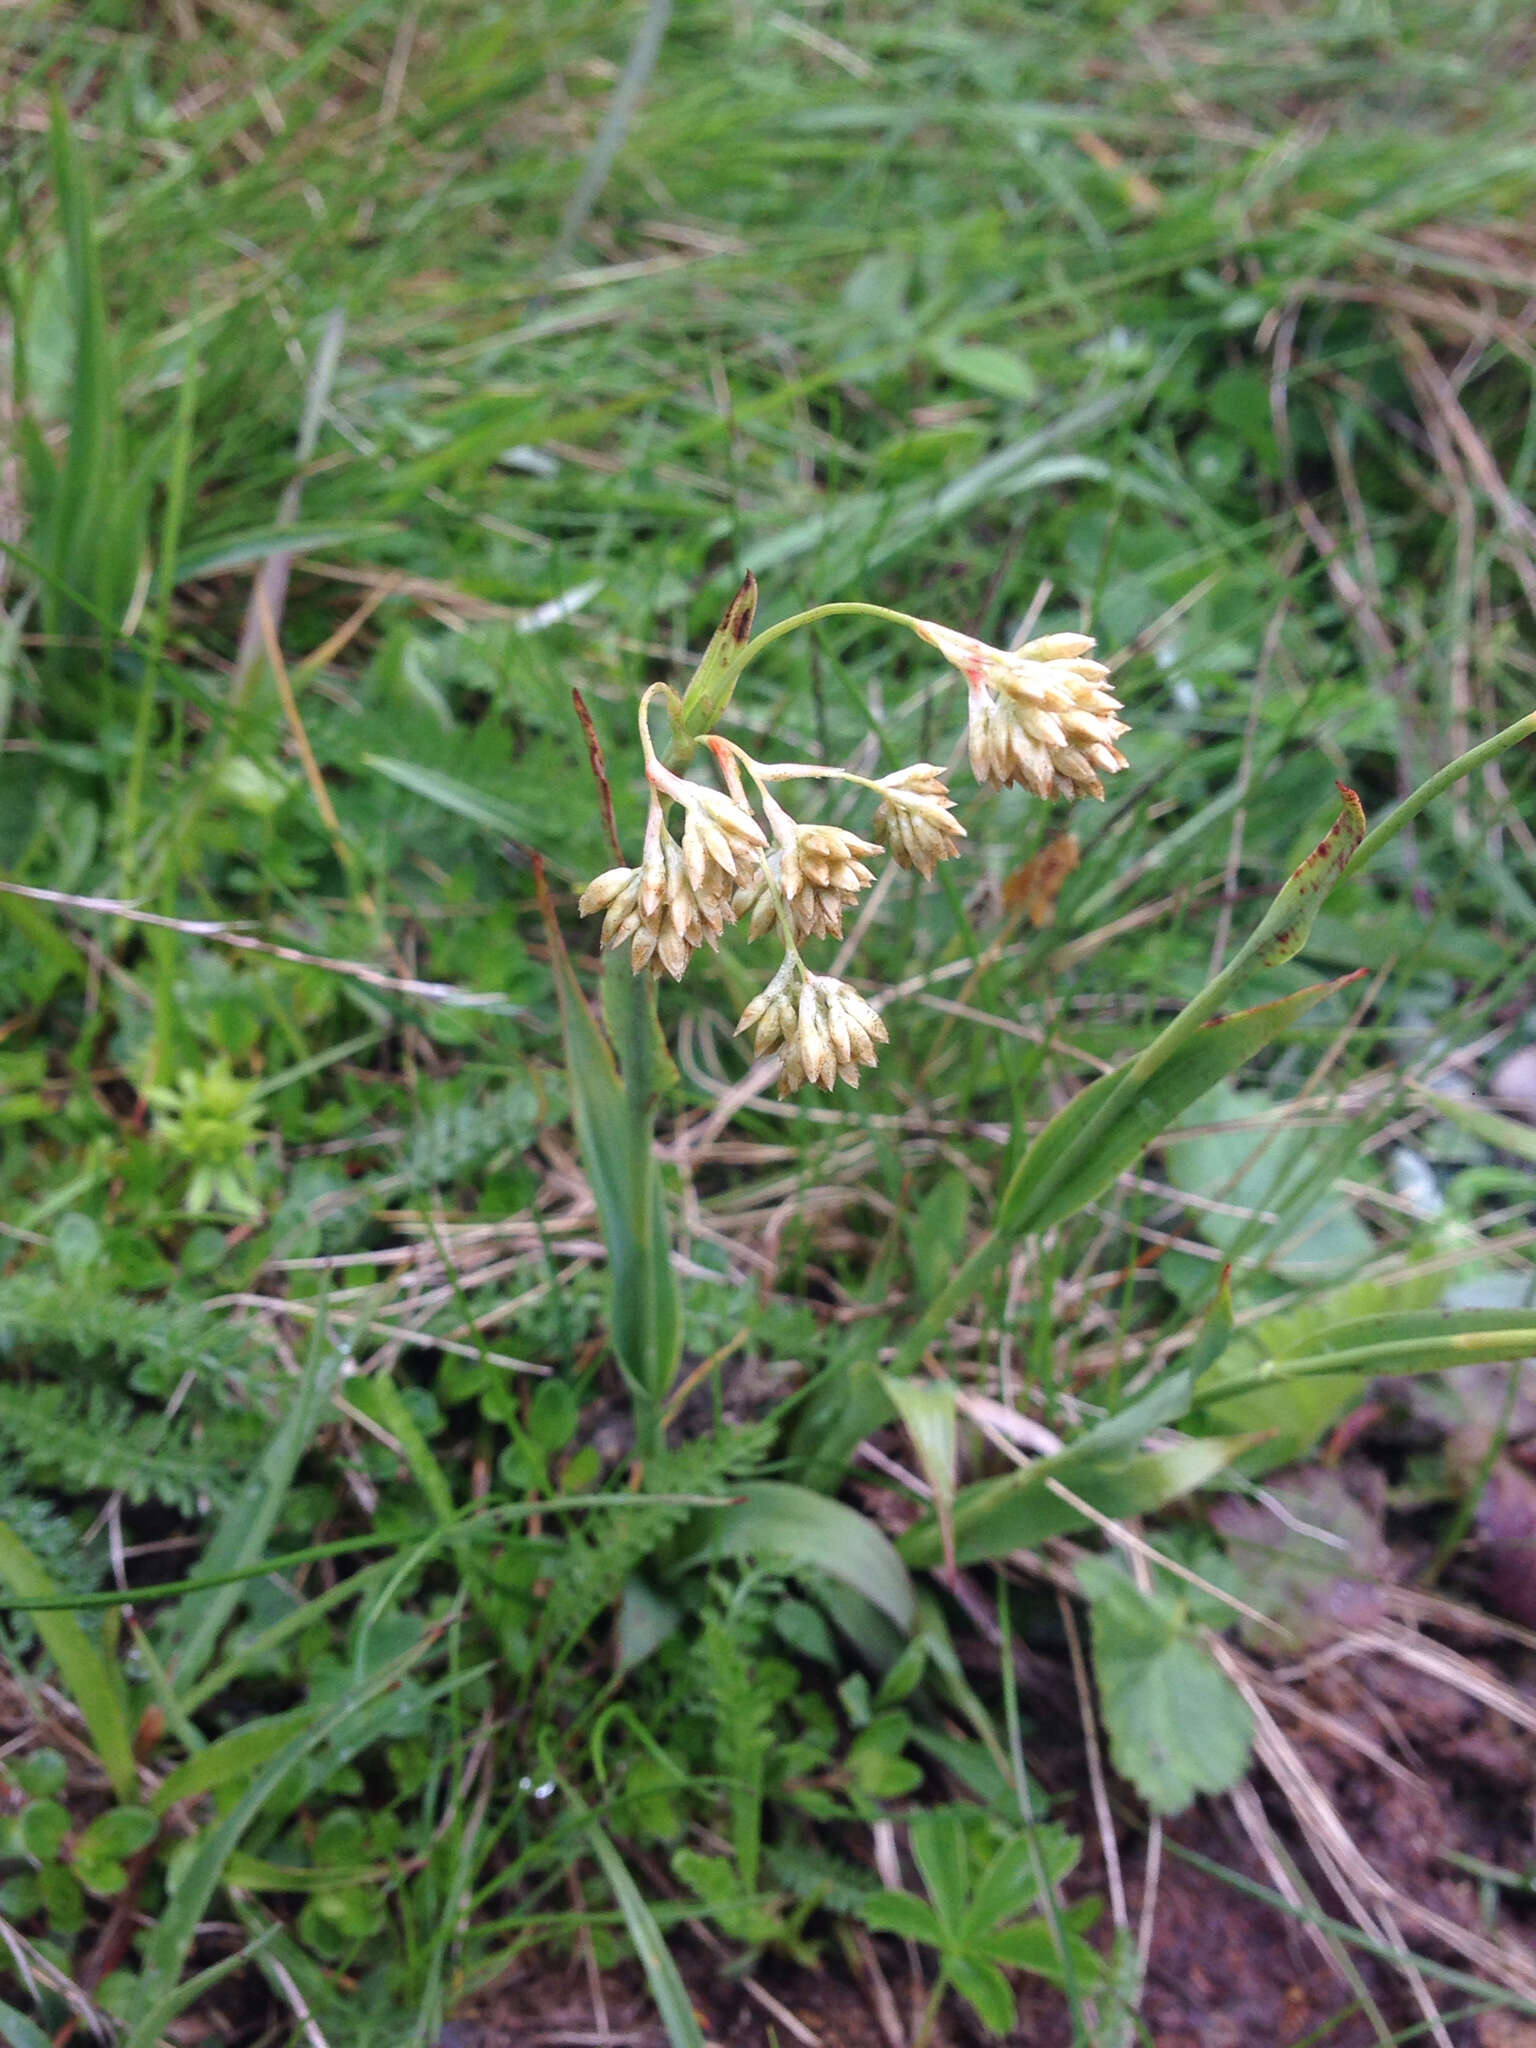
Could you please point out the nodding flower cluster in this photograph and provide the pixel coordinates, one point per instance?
(1041, 715)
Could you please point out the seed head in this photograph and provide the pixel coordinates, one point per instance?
(818, 871)
(657, 905)
(914, 822)
(1042, 714)
(822, 1029)
(721, 838)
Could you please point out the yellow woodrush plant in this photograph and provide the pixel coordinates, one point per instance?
(1041, 715)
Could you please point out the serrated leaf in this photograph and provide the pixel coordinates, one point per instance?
(1177, 1726)
(1058, 1953)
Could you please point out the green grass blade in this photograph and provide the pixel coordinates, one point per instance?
(666, 1986)
(232, 1757)
(1413, 1342)
(90, 1679)
(448, 792)
(242, 1535)
(1077, 1156)
(259, 543)
(160, 1993)
(1019, 1510)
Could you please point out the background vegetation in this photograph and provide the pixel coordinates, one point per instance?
(352, 416)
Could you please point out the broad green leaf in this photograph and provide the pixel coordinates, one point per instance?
(939, 1850)
(901, 1913)
(771, 1519)
(1299, 1389)
(1265, 1168)
(1006, 1888)
(666, 1986)
(1176, 1724)
(927, 1411)
(986, 368)
(121, 1831)
(1106, 1445)
(1019, 1511)
(89, 1677)
(20, 2032)
(936, 1232)
(1032, 1946)
(1079, 1172)
(230, 1758)
(983, 1985)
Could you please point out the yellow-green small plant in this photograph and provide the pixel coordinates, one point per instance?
(1041, 715)
(211, 1121)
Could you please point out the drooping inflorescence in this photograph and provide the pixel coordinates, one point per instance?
(1041, 715)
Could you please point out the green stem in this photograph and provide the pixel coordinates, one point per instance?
(1408, 1354)
(1453, 771)
(930, 2016)
(821, 611)
(160, 620)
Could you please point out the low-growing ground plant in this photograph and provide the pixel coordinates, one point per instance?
(514, 1498)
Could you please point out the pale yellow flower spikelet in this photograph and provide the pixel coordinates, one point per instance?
(721, 838)
(817, 872)
(823, 1030)
(658, 906)
(914, 821)
(1042, 714)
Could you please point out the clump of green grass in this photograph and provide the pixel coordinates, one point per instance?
(493, 1623)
